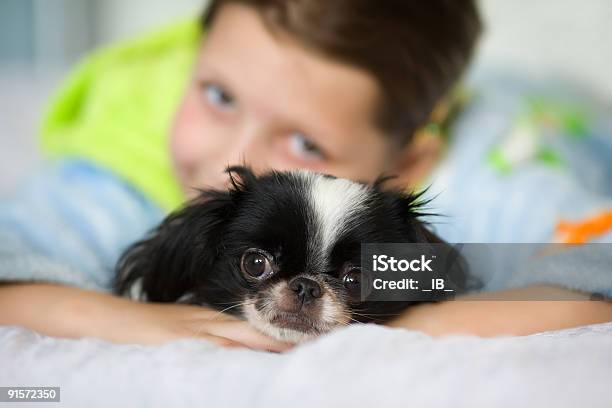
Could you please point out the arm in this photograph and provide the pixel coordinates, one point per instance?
(68, 312)
(476, 316)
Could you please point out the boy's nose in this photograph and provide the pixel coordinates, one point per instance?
(250, 148)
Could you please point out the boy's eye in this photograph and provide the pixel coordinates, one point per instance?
(304, 148)
(217, 96)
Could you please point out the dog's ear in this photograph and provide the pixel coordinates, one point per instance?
(171, 261)
(424, 234)
(409, 209)
(241, 178)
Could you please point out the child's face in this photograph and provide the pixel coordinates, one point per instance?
(263, 100)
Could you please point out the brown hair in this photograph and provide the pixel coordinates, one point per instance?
(415, 49)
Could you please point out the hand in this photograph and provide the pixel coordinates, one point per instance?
(74, 313)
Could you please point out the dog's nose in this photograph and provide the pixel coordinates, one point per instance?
(306, 289)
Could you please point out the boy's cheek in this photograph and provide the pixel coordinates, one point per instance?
(184, 146)
(185, 142)
(200, 152)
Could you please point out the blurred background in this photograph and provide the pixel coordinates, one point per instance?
(41, 39)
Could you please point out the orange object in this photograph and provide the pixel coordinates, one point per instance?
(581, 232)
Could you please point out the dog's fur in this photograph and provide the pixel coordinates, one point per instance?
(304, 230)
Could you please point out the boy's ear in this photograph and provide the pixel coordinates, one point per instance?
(171, 261)
(417, 160)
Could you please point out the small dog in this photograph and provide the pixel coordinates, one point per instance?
(281, 250)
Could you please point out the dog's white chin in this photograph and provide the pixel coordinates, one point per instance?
(283, 333)
(264, 323)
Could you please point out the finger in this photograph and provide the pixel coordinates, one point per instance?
(222, 341)
(244, 333)
(207, 321)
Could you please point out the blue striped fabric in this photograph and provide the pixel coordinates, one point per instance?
(482, 204)
(69, 224)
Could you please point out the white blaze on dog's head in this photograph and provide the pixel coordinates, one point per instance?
(336, 205)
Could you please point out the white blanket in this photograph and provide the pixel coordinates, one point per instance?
(360, 366)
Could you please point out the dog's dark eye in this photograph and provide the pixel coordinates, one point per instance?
(256, 263)
(351, 278)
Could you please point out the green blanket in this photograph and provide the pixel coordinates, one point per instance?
(116, 108)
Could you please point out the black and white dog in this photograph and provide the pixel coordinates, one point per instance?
(281, 250)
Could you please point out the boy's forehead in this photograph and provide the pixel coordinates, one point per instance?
(280, 79)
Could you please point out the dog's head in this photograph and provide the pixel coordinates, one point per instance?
(281, 250)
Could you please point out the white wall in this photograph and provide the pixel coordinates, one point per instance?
(539, 38)
(62, 30)
(120, 18)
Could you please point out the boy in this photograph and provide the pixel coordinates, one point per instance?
(339, 87)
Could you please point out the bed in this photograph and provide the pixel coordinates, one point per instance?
(362, 365)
